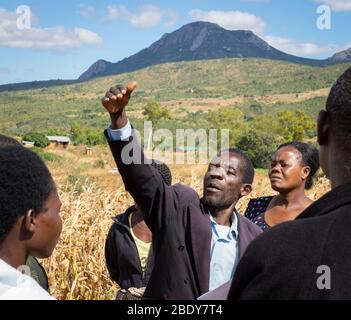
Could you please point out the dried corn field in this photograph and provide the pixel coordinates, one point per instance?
(77, 268)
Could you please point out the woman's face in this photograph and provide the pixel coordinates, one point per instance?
(286, 171)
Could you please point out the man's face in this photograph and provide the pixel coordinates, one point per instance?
(223, 182)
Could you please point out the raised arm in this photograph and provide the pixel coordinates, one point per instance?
(156, 199)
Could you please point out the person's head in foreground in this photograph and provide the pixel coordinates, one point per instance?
(6, 141)
(30, 221)
(334, 132)
(36, 269)
(293, 167)
(229, 177)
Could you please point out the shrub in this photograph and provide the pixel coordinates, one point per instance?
(39, 139)
(259, 147)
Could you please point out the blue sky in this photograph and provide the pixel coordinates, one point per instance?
(65, 37)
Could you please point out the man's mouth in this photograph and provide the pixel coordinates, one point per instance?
(275, 178)
(213, 187)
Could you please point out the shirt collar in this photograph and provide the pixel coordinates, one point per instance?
(233, 227)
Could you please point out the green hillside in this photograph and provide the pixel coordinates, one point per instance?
(56, 107)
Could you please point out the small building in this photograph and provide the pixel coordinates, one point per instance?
(88, 151)
(57, 141)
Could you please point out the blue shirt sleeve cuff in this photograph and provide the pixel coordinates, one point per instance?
(120, 134)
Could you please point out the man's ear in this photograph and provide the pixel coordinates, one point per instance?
(245, 190)
(30, 221)
(323, 127)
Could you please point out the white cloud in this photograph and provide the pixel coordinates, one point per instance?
(87, 11)
(303, 49)
(231, 20)
(337, 5)
(42, 38)
(148, 16)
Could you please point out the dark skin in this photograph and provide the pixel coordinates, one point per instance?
(140, 229)
(223, 186)
(223, 182)
(288, 176)
(35, 234)
(334, 151)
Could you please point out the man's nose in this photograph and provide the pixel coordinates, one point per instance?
(217, 173)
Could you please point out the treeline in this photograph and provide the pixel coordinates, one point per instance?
(251, 129)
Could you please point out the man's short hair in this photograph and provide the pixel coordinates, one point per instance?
(247, 166)
(339, 103)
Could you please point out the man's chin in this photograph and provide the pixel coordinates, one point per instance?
(211, 202)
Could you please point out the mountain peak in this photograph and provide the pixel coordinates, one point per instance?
(341, 57)
(197, 41)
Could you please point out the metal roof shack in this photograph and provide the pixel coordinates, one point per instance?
(57, 141)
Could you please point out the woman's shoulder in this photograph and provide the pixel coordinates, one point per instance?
(257, 206)
(260, 201)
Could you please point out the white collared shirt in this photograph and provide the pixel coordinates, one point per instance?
(224, 252)
(17, 286)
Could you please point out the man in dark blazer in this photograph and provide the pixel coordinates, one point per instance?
(190, 254)
(310, 258)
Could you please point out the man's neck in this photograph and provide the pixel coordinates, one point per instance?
(223, 217)
(14, 255)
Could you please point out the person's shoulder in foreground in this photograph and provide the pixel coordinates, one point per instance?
(17, 286)
(288, 261)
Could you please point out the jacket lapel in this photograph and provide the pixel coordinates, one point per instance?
(201, 235)
(243, 236)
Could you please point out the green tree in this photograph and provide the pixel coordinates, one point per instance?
(231, 119)
(94, 138)
(76, 134)
(258, 146)
(153, 111)
(39, 139)
(295, 125)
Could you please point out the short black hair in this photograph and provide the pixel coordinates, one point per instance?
(164, 170)
(26, 184)
(8, 141)
(310, 158)
(339, 103)
(247, 166)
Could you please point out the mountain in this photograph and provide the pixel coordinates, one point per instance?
(196, 41)
(35, 85)
(341, 57)
(193, 41)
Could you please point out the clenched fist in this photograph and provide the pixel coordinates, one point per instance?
(117, 98)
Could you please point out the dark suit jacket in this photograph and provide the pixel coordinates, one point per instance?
(180, 226)
(282, 263)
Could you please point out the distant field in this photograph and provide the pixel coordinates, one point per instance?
(183, 87)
